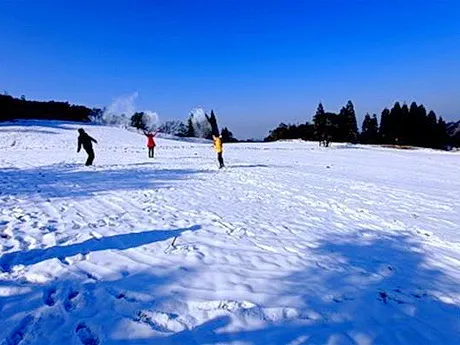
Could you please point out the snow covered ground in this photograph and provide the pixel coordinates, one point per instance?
(290, 244)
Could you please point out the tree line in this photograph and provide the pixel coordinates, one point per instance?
(400, 125)
(12, 108)
(198, 127)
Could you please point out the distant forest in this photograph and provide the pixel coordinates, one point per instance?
(19, 108)
(400, 125)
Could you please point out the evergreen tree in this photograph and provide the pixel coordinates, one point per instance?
(432, 130)
(414, 124)
(227, 136)
(320, 110)
(213, 122)
(346, 124)
(351, 123)
(278, 133)
(306, 131)
(341, 133)
(422, 122)
(442, 138)
(319, 122)
(404, 126)
(190, 132)
(394, 128)
(384, 126)
(370, 130)
(374, 129)
(137, 121)
(365, 129)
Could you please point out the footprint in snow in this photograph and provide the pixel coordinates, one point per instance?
(49, 296)
(69, 302)
(5, 236)
(20, 331)
(86, 336)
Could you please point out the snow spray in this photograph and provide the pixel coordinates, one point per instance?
(200, 123)
(121, 110)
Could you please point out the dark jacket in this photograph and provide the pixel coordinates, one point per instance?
(85, 140)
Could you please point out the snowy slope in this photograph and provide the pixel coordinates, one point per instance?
(290, 244)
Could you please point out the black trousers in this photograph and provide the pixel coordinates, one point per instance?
(220, 159)
(151, 152)
(90, 159)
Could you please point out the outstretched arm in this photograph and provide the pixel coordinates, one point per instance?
(93, 140)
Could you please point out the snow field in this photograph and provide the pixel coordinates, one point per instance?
(290, 244)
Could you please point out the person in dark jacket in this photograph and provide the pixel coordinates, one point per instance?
(87, 142)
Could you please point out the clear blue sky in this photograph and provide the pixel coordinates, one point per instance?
(255, 63)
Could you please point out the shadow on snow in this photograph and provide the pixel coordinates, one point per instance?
(367, 287)
(117, 242)
(72, 180)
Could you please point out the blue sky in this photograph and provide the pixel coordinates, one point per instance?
(256, 63)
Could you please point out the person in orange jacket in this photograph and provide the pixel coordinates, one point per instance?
(151, 142)
(218, 147)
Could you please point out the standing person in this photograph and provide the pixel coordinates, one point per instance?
(151, 142)
(87, 142)
(217, 142)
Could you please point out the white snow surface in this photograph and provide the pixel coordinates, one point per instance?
(289, 244)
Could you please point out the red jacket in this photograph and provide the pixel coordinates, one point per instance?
(150, 141)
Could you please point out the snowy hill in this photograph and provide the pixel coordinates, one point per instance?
(290, 244)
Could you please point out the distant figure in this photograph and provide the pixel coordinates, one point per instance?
(85, 140)
(218, 148)
(151, 142)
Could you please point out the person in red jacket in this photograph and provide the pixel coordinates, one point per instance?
(150, 142)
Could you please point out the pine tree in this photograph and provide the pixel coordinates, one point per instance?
(442, 136)
(320, 110)
(227, 136)
(394, 123)
(342, 127)
(137, 121)
(374, 129)
(404, 126)
(365, 137)
(278, 133)
(370, 130)
(351, 123)
(319, 121)
(213, 122)
(414, 124)
(384, 126)
(190, 129)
